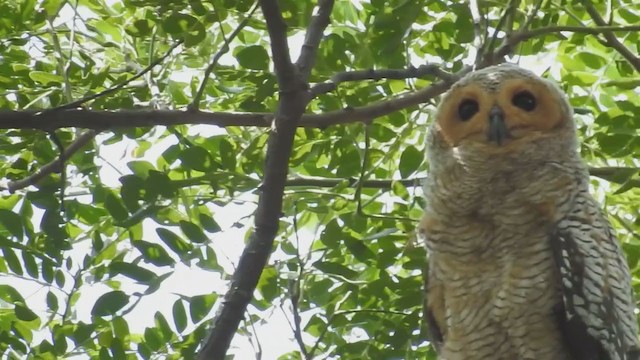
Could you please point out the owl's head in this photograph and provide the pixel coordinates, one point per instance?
(502, 109)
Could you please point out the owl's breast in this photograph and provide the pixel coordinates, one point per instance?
(499, 286)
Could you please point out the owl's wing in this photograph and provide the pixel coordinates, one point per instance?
(597, 315)
(434, 333)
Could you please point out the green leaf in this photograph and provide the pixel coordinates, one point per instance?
(410, 161)
(200, 306)
(335, 269)
(193, 232)
(132, 271)
(153, 339)
(163, 326)
(268, 283)
(179, 316)
(120, 327)
(12, 222)
(591, 60)
(24, 313)
(174, 242)
(12, 260)
(177, 23)
(10, 295)
(46, 78)
(114, 207)
(253, 57)
(153, 253)
(209, 224)
(52, 301)
(197, 158)
(110, 303)
(140, 168)
(159, 184)
(30, 264)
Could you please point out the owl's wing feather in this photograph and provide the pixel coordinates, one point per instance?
(434, 334)
(597, 314)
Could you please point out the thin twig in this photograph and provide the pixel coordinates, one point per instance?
(195, 104)
(606, 173)
(511, 42)
(398, 74)
(296, 291)
(612, 40)
(75, 104)
(532, 15)
(54, 165)
(479, 32)
(58, 164)
(488, 47)
(347, 312)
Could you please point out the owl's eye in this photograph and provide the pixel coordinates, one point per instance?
(524, 100)
(467, 109)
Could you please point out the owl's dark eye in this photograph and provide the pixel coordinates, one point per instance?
(524, 100)
(467, 109)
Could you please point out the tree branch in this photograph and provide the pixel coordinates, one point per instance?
(99, 120)
(195, 104)
(77, 103)
(312, 38)
(511, 42)
(46, 120)
(615, 174)
(612, 40)
(54, 165)
(399, 74)
(478, 31)
(293, 101)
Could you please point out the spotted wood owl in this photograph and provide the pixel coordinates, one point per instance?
(522, 262)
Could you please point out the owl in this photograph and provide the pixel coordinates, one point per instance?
(522, 262)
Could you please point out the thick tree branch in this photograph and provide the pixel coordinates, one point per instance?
(612, 40)
(100, 120)
(312, 38)
(294, 98)
(284, 68)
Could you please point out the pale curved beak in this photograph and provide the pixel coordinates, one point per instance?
(498, 131)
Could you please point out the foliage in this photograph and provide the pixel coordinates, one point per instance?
(344, 268)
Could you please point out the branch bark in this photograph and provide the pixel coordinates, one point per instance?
(379, 74)
(100, 120)
(612, 40)
(53, 166)
(294, 97)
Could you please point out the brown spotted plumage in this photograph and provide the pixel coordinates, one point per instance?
(522, 263)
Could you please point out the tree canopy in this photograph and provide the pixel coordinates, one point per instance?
(146, 141)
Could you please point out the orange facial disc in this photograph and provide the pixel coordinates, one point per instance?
(544, 117)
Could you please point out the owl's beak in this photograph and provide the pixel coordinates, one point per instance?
(498, 130)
